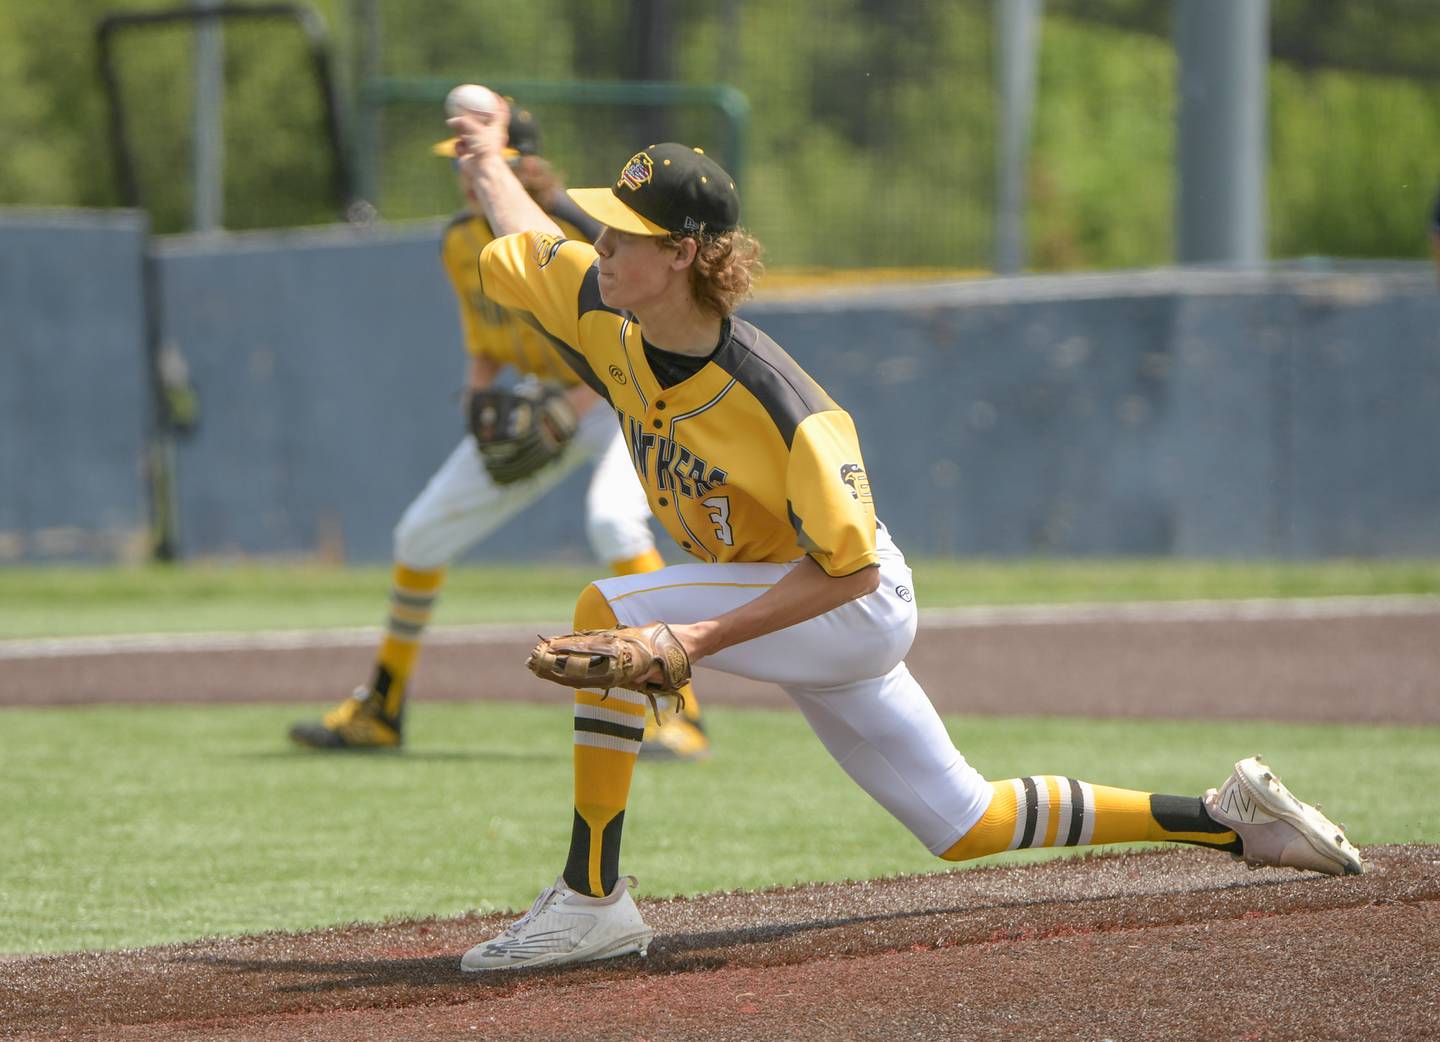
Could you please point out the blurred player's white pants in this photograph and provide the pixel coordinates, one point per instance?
(461, 505)
(845, 671)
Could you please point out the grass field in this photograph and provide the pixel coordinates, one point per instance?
(137, 825)
(39, 602)
(141, 825)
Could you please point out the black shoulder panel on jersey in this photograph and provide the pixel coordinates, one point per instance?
(762, 367)
(574, 359)
(565, 209)
(590, 294)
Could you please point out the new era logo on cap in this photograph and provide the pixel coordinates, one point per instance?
(666, 189)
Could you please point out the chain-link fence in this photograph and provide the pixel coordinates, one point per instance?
(870, 136)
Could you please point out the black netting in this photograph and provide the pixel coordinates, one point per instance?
(278, 164)
(871, 138)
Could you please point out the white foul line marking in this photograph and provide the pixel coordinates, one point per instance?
(1251, 610)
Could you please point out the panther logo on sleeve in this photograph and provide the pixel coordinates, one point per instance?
(546, 246)
(854, 475)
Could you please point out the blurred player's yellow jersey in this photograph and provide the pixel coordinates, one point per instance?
(490, 331)
(747, 460)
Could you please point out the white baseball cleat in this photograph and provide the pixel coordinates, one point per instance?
(564, 926)
(1275, 828)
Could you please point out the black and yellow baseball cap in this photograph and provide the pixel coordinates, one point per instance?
(523, 135)
(666, 189)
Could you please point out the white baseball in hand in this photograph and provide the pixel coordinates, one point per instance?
(471, 97)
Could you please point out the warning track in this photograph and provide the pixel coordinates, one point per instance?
(1338, 659)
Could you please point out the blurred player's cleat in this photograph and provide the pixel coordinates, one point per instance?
(359, 722)
(1275, 828)
(564, 926)
(678, 738)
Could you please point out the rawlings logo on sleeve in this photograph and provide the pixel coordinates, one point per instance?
(854, 476)
(546, 246)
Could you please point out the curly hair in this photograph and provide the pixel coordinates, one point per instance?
(725, 269)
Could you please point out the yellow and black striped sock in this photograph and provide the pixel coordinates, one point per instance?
(608, 732)
(651, 561)
(412, 600)
(1049, 811)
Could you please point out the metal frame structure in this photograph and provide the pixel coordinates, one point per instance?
(321, 63)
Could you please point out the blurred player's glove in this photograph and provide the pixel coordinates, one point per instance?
(520, 431)
(616, 657)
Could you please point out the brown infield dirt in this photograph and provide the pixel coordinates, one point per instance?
(1175, 944)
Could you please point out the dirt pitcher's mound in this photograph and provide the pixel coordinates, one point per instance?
(1180, 944)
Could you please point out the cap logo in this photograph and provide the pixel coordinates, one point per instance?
(637, 172)
(692, 225)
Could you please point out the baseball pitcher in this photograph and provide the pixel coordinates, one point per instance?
(758, 474)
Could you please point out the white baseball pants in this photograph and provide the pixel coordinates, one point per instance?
(845, 670)
(461, 505)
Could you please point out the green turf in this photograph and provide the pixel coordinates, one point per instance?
(139, 825)
(36, 602)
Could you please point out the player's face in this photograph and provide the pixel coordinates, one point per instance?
(634, 269)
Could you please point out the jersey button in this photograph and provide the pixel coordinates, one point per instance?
(658, 424)
(659, 405)
(685, 546)
(663, 501)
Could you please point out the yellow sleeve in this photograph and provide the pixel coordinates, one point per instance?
(480, 320)
(542, 275)
(829, 494)
(505, 337)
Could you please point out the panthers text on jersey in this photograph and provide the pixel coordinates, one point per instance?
(747, 460)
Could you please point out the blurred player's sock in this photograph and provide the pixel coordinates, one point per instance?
(412, 600)
(1050, 811)
(608, 732)
(373, 717)
(680, 736)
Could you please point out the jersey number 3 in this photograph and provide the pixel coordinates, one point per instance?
(720, 518)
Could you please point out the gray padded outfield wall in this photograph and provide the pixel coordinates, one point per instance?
(1190, 413)
(1196, 413)
(328, 365)
(73, 390)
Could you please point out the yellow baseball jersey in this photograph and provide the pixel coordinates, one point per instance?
(490, 330)
(746, 460)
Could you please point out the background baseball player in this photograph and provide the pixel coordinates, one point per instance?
(1435, 234)
(757, 473)
(463, 502)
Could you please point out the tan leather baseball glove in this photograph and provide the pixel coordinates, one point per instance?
(616, 657)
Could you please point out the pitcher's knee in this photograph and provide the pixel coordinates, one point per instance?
(993, 833)
(593, 611)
